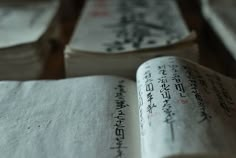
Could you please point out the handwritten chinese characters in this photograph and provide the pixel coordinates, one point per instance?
(119, 124)
(149, 91)
(167, 88)
(224, 99)
(140, 104)
(121, 26)
(167, 108)
(193, 78)
(141, 25)
(192, 104)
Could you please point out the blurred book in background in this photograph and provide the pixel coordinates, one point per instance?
(26, 28)
(114, 37)
(221, 16)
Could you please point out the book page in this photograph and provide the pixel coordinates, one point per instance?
(185, 109)
(117, 26)
(25, 22)
(83, 117)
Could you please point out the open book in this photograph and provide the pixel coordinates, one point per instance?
(113, 37)
(176, 109)
(25, 31)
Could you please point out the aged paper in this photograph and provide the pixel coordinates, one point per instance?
(85, 117)
(116, 26)
(185, 109)
(25, 22)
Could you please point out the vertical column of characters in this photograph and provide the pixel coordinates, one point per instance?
(119, 120)
(223, 96)
(167, 107)
(197, 85)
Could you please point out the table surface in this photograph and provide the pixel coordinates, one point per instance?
(212, 52)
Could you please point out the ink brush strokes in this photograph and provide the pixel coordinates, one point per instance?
(185, 110)
(176, 108)
(121, 26)
(111, 33)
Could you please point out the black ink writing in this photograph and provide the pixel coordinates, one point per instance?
(134, 29)
(193, 82)
(167, 108)
(119, 130)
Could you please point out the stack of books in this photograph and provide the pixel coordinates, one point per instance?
(114, 37)
(25, 32)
